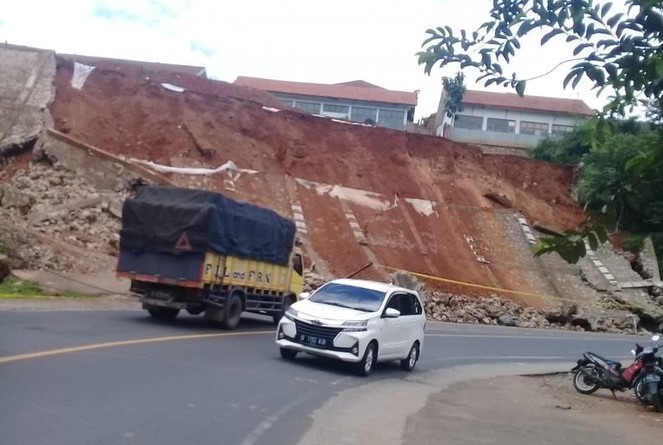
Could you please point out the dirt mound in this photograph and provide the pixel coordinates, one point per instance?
(418, 202)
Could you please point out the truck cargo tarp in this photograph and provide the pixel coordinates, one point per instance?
(176, 220)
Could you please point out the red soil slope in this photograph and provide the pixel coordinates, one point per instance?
(121, 111)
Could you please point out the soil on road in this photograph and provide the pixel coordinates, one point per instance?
(526, 410)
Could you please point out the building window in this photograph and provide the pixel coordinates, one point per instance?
(392, 119)
(561, 130)
(364, 115)
(534, 128)
(501, 125)
(287, 102)
(309, 107)
(336, 109)
(468, 122)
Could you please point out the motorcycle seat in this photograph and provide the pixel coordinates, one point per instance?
(609, 362)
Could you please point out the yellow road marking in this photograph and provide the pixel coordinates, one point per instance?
(41, 354)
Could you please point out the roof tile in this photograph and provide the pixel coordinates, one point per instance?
(355, 90)
(529, 103)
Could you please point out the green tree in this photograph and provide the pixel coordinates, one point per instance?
(454, 88)
(567, 150)
(622, 51)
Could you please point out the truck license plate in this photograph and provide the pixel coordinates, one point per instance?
(311, 340)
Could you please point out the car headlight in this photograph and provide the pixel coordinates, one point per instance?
(291, 314)
(354, 325)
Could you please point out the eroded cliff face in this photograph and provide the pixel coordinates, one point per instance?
(364, 199)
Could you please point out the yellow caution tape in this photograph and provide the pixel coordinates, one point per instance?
(501, 290)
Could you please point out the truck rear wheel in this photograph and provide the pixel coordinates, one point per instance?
(163, 313)
(215, 315)
(233, 311)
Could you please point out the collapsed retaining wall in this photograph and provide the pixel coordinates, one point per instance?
(27, 77)
(360, 195)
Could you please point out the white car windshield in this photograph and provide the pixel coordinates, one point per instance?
(351, 297)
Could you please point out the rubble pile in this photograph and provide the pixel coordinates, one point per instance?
(60, 206)
(495, 310)
(312, 280)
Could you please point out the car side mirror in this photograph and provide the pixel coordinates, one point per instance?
(390, 312)
(304, 295)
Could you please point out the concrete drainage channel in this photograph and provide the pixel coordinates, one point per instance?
(385, 405)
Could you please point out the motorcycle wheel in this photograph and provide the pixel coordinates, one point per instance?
(639, 390)
(657, 401)
(582, 383)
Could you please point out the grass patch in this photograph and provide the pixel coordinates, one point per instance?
(15, 288)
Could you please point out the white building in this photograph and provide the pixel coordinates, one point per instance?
(357, 101)
(508, 120)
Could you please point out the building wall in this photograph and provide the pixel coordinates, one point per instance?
(518, 115)
(486, 136)
(385, 115)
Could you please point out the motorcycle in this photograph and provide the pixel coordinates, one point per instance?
(593, 372)
(650, 386)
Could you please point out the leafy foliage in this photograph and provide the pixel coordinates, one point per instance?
(621, 183)
(623, 178)
(567, 150)
(454, 88)
(571, 244)
(621, 50)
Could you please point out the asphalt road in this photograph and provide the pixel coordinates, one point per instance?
(119, 377)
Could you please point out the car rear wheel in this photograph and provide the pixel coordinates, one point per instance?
(365, 366)
(408, 363)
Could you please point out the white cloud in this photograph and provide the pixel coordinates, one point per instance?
(300, 40)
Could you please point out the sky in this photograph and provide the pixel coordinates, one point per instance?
(297, 40)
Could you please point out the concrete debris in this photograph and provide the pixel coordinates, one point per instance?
(59, 204)
(312, 280)
(507, 320)
(408, 281)
(495, 310)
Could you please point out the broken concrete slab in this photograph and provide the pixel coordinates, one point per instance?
(26, 89)
(80, 204)
(648, 259)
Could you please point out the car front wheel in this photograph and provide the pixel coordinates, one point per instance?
(408, 363)
(288, 354)
(366, 364)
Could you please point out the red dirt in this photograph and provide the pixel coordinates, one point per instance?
(120, 111)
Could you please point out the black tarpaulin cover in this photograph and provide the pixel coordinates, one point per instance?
(177, 220)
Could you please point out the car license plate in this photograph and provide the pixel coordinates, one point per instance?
(311, 340)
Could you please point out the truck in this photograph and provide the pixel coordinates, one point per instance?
(206, 253)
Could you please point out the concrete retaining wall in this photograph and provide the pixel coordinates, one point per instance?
(26, 89)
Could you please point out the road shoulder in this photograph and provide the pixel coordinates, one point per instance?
(524, 410)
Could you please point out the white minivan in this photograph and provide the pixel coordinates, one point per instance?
(358, 321)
